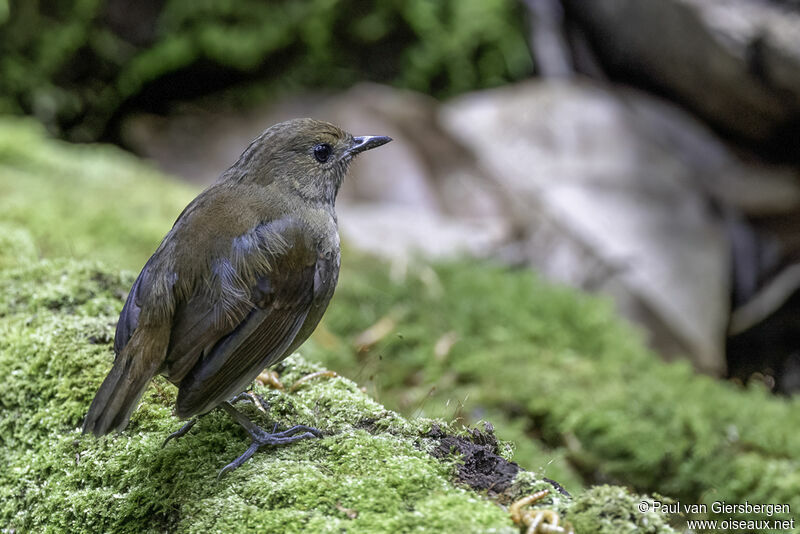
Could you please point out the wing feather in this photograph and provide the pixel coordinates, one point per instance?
(214, 359)
(129, 317)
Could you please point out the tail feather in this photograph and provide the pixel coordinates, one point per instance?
(125, 384)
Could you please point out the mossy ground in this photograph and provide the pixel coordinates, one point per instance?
(556, 373)
(372, 472)
(57, 325)
(558, 369)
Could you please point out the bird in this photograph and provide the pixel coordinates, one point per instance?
(239, 283)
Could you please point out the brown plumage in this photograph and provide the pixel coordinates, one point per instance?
(240, 281)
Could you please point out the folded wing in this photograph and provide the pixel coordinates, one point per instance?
(261, 297)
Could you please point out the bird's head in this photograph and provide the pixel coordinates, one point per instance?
(308, 156)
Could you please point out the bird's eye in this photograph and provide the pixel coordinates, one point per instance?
(322, 152)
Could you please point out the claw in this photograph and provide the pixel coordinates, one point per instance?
(182, 431)
(261, 437)
(251, 450)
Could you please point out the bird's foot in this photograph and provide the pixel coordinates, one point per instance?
(261, 437)
(182, 431)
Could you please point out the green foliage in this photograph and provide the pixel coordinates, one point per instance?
(75, 64)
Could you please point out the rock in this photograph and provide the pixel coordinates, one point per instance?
(612, 191)
(736, 65)
(735, 62)
(400, 232)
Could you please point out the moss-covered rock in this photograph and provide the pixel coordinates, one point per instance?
(372, 472)
(75, 65)
(57, 322)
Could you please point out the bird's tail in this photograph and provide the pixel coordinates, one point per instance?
(120, 392)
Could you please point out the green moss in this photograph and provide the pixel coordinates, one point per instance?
(57, 324)
(76, 64)
(56, 327)
(547, 365)
(88, 201)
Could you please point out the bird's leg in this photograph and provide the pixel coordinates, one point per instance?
(182, 431)
(261, 438)
(249, 396)
(243, 396)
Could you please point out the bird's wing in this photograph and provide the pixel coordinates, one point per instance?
(140, 350)
(129, 318)
(220, 356)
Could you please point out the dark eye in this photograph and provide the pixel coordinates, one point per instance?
(322, 152)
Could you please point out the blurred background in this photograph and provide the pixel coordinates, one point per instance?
(645, 151)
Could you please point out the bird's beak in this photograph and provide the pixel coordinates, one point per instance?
(365, 142)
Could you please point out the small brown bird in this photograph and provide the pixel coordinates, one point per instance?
(238, 284)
